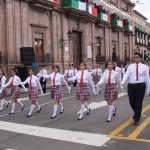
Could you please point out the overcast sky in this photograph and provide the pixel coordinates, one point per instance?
(143, 8)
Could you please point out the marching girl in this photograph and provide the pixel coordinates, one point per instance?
(34, 85)
(14, 82)
(2, 90)
(68, 74)
(84, 79)
(111, 78)
(56, 92)
(74, 69)
(97, 74)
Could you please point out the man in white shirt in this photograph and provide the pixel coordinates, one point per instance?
(117, 69)
(43, 81)
(138, 80)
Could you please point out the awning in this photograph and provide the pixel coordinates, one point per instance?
(117, 11)
(102, 3)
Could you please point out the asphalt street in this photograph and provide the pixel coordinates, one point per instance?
(39, 132)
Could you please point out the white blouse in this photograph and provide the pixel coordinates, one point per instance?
(34, 82)
(114, 78)
(68, 73)
(2, 82)
(97, 71)
(16, 81)
(58, 79)
(130, 74)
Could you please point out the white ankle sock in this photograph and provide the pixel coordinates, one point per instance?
(61, 105)
(110, 111)
(82, 110)
(13, 107)
(18, 101)
(55, 110)
(31, 109)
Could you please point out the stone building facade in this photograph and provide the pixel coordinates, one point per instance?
(142, 34)
(63, 32)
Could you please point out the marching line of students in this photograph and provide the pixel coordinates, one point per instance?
(113, 77)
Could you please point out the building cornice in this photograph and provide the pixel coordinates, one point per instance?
(139, 14)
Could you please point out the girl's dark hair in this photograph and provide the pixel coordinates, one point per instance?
(109, 61)
(31, 69)
(14, 70)
(57, 68)
(2, 71)
(136, 53)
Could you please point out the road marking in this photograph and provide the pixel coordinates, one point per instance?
(57, 134)
(4, 115)
(126, 124)
(139, 129)
(95, 105)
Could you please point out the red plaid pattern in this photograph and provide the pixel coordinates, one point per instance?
(56, 92)
(83, 92)
(3, 94)
(111, 92)
(15, 90)
(33, 93)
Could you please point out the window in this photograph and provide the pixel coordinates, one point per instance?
(39, 46)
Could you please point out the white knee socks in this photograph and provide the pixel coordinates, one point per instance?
(18, 101)
(61, 105)
(31, 109)
(13, 107)
(82, 110)
(36, 104)
(111, 109)
(55, 110)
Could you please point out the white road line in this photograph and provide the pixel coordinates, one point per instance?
(40, 105)
(57, 134)
(95, 105)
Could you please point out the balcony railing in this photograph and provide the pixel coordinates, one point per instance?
(128, 27)
(83, 6)
(117, 22)
(104, 17)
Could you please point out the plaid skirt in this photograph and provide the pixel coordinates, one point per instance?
(83, 92)
(56, 92)
(111, 92)
(96, 79)
(15, 90)
(33, 93)
(3, 94)
(69, 82)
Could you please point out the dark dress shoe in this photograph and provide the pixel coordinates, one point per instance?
(115, 112)
(136, 123)
(89, 111)
(11, 113)
(62, 111)
(28, 116)
(53, 117)
(108, 120)
(80, 118)
(39, 110)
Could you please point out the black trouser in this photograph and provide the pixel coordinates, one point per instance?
(136, 94)
(75, 83)
(43, 84)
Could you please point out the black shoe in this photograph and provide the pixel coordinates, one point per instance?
(39, 110)
(11, 113)
(80, 118)
(62, 111)
(7, 105)
(136, 123)
(1, 109)
(108, 120)
(89, 111)
(53, 117)
(23, 107)
(28, 116)
(115, 112)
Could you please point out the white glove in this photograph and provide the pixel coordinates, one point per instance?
(25, 89)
